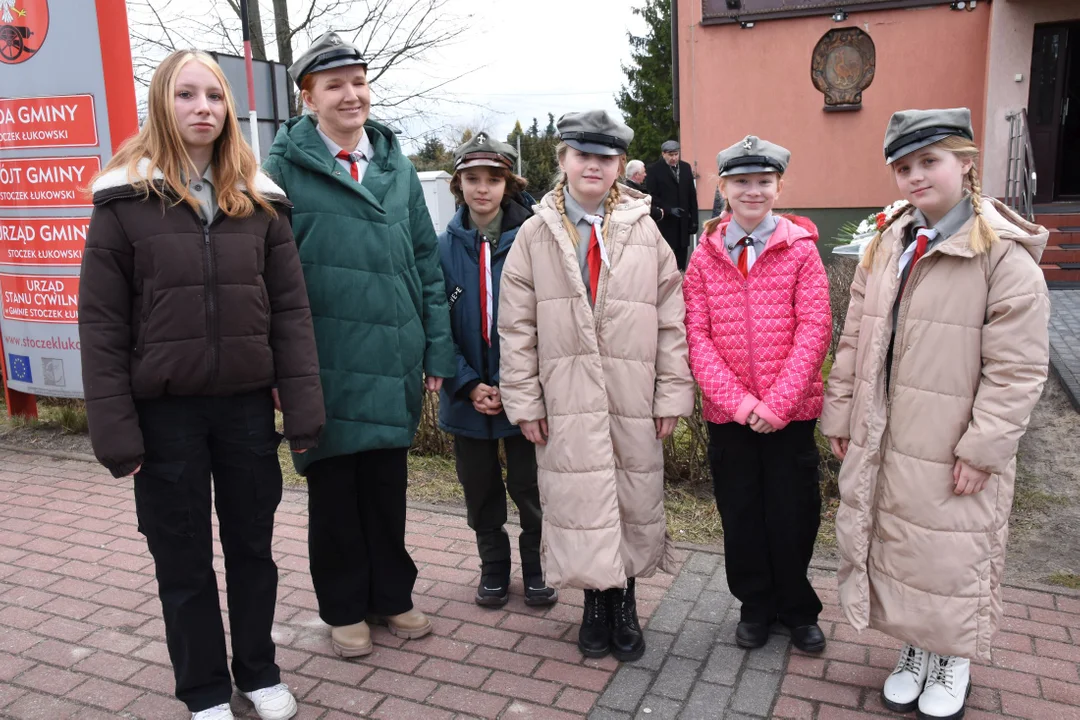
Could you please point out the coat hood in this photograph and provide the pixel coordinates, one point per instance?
(789, 229)
(119, 181)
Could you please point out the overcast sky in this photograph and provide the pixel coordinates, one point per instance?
(535, 57)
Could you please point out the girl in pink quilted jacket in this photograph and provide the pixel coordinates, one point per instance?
(758, 325)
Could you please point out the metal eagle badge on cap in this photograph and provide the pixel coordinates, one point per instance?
(748, 143)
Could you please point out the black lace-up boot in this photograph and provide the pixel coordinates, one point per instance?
(594, 637)
(627, 641)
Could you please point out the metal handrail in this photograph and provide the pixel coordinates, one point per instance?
(1020, 179)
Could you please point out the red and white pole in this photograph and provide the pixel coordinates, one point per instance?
(253, 116)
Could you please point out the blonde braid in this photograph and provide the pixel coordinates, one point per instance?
(872, 247)
(613, 199)
(560, 205)
(982, 235)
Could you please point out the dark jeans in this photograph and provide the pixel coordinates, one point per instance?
(480, 473)
(356, 535)
(767, 490)
(188, 440)
(680, 255)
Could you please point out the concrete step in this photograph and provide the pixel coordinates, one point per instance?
(1058, 220)
(1053, 273)
(1063, 237)
(1058, 255)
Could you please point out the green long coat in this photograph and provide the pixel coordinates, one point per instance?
(371, 264)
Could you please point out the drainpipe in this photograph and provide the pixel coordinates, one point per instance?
(675, 59)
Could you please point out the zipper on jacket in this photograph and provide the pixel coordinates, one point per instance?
(750, 338)
(211, 307)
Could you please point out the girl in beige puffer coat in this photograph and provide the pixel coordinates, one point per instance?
(943, 356)
(594, 369)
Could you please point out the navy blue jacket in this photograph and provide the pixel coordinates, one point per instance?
(459, 250)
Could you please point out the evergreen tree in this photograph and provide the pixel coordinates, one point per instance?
(646, 100)
(433, 155)
(538, 164)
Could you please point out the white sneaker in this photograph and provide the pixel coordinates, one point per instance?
(905, 685)
(273, 703)
(218, 712)
(947, 688)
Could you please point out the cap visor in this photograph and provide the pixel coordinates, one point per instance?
(908, 149)
(594, 148)
(481, 162)
(747, 169)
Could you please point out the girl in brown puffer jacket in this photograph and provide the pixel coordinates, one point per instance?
(942, 359)
(192, 308)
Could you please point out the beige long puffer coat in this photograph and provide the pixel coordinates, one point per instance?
(599, 377)
(918, 562)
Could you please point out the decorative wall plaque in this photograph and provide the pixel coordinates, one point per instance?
(842, 67)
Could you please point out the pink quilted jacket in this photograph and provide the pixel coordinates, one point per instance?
(757, 343)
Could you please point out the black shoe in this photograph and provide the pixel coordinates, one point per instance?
(493, 590)
(751, 635)
(594, 637)
(627, 642)
(537, 592)
(808, 638)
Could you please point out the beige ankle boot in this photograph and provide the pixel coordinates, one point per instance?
(409, 625)
(352, 640)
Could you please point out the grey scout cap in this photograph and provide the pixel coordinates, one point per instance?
(911, 130)
(752, 155)
(670, 146)
(484, 150)
(329, 51)
(595, 132)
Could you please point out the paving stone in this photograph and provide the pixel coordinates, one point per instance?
(658, 708)
(695, 640)
(687, 586)
(706, 702)
(702, 563)
(626, 690)
(711, 606)
(605, 714)
(719, 581)
(676, 678)
(771, 657)
(670, 615)
(724, 665)
(755, 693)
(656, 650)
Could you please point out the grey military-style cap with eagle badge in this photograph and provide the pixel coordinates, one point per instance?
(594, 132)
(329, 51)
(483, 150)
(752, 155)
(911, 130)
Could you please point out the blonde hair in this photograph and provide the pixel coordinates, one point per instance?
(560, 202)
(982, 235)
(160, 142)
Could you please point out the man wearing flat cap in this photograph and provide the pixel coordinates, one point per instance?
(670, 182)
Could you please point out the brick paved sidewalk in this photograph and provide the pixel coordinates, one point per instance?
(80, 634)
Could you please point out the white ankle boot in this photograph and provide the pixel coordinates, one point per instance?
(905, 685)
(947, 686)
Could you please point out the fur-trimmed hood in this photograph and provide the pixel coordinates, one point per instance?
(120, 183)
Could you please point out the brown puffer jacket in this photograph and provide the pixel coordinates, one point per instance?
(171, 306)
(600, 378)
(918, 562)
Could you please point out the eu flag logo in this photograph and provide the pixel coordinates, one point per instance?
(20, 368)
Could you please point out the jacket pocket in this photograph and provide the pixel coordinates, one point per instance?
(162, 502)
(266, 480)
(264, 297)
(144, 317)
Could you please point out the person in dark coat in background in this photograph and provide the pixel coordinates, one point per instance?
(635, 180)
(670, 182)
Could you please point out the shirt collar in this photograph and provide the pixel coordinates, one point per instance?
(207, 177)
(951, 223)
(760, 234)
(363, 147)
(574, 211)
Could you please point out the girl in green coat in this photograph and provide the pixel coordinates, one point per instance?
(371, 264)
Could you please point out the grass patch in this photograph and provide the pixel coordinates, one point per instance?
(1065, 579)
(1031, 504)
(692, 515)
(67, 416)
(434, 480)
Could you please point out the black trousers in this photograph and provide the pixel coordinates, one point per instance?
(680, 255)
(768, 493)
(188, 440)
(480, 473)
(356, 535)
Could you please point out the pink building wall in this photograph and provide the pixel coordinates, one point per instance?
(735, 82)
(1012, 32)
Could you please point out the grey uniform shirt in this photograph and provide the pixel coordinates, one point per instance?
(577, 214)
(363, 148)
(761, 235)
(203, 190)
